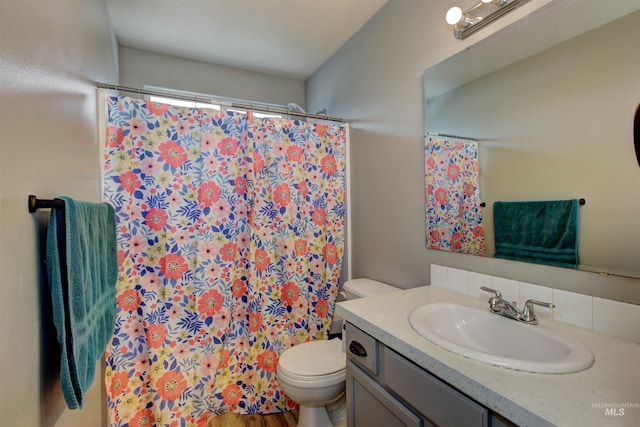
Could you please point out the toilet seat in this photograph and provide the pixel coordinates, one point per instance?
(314, 363)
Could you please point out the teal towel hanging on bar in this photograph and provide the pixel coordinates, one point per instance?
(542, 232)
(82, 264)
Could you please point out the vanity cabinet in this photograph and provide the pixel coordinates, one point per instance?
(385, 389)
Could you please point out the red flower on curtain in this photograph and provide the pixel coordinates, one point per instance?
(170, 385)
(119, 382)
(143, 418)
(268, 360)
(294, 153)
(130, 182)
(172, 154)
(241, 185)
(232, 394)
(238, 288)
(303, 188)
(228, 146)
(210, 302)
(156, 335)
(156, 219)
(330, 252)
(115, 135)
(255, 321)
(173, 266)
(322, 130)
(209, 193)
(129, 300)
(322, 307)
(300, 247)
(329, 165)
(282, 195)
(157, 108)
(228, 252)
(290, 293)
(262, 260)
(319, 216)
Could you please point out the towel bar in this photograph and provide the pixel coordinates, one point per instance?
(580, 202)
(35, 203)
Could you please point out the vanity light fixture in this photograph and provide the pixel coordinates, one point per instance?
(483, 13)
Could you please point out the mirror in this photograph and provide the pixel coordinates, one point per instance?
(553, 123)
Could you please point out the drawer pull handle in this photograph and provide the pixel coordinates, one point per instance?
(356, 348)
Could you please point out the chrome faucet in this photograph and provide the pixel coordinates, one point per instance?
(505, 308)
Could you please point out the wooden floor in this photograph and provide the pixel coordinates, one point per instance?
(284, 419)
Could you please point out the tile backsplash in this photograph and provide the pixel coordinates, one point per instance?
(597, 314)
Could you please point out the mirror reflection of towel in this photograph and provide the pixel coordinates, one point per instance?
(543, 232)
(82, 264)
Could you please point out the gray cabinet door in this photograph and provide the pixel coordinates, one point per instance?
(370, 405)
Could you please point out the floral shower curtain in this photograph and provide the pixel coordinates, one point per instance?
(231, 236)
(452, 183)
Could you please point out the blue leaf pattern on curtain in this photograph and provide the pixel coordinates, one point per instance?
(231, 237)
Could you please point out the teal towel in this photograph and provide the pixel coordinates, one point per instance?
(82, 265)
(543, 232)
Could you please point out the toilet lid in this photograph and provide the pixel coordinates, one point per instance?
(314, 358)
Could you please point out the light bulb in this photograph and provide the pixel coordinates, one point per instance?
(486, 1)
(454, 15)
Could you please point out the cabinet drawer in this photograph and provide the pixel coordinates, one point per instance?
(437, 401)
(362, 349)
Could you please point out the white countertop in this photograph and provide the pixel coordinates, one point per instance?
(527, 399)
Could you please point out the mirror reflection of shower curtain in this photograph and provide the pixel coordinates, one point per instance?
(231, 237)
(452, 187)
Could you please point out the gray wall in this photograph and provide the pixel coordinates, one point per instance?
(139, 68)
(374, 81)
(51, 53)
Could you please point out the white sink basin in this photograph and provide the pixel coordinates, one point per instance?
(487, 337)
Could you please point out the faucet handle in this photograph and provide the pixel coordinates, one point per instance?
(493, 291)
(529, 315)
(494, 300)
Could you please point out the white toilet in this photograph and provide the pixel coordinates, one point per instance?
(313, 374)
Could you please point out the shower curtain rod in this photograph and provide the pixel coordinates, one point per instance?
(446, 135)
(210, 100)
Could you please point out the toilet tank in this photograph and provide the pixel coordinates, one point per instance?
(360, 288)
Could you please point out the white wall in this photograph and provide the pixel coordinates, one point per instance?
(51, 53)
(139, 68)
(374, 82)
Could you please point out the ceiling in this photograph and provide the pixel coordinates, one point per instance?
(288, 38)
